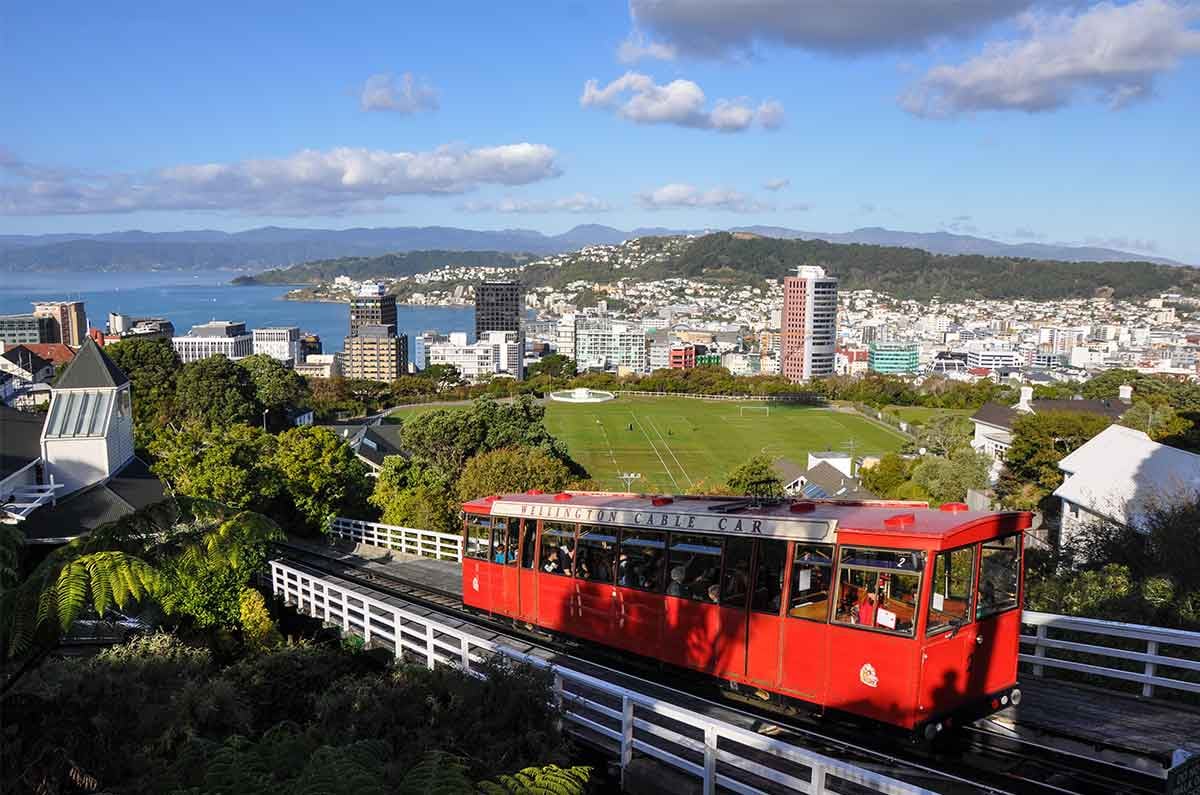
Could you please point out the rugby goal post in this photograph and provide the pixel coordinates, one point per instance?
(764, 409)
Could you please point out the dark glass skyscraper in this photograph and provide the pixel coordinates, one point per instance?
(497, 307)
(372, 306)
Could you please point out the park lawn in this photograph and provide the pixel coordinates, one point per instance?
(919, 415)
(677, 442)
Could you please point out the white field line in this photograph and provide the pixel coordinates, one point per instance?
(654, 447)
(612, 456)
(667, 445)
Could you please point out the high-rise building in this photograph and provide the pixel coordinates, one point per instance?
(602, 343)
(24, 330)
(375, 353)
(809, 324)
(895, 358)
(497, 307)
(279, 342)
(372, 306)
(227, 338)
(68, 321)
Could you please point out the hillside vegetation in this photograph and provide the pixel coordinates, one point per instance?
(387, 265)
(744, 259)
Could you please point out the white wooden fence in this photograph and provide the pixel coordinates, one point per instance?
(408, 540)
(716, 752)
(1044, 651)
(1149, 663)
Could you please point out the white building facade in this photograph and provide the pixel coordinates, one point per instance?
(495, 353)
(278, 342)
(227, 338)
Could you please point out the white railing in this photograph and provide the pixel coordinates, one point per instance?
(629, 722)
(408, 540)
(1150, 662)
(792, 397)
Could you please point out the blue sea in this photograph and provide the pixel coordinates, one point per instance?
(187, 299)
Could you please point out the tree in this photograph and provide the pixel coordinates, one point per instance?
(554, 366)
(444, 439)
(947, 478)
(233, 465)
(510, 470)
(444, 376)
(322, 478)
(214, 391)
(1157, 419)
(276, 387)
(1039, 442)
(757, 478)
(411, 494)
(885, 477)
(152, 367)
(943, 433)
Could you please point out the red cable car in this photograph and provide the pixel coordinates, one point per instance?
(888, 610)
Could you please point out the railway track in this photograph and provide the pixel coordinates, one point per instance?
(1008, 764)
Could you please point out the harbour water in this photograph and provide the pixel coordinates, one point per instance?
(187, 299)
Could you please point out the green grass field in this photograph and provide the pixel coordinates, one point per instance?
(675, 442)
(919, 415)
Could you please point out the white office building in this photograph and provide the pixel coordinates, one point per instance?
(602, 343)
(995, 359)
(495, 353)
(217, 336)
(422, 344)
(278, 342)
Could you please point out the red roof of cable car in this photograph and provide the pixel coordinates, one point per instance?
(875, 516)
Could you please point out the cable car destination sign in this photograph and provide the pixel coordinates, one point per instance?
(658, 518)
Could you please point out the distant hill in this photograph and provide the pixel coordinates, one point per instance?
(393, 265)
(273, 247)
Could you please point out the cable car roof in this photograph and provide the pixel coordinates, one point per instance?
(815, 520)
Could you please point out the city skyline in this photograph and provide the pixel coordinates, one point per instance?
(1005, 120)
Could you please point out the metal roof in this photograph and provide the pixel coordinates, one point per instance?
(91, 369)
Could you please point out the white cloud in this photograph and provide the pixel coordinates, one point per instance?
(636, 46)
(719, 28)
(381, 92)
(779, 183)
(308, 182)
(681, 195)
(575, 203)
(1113, 51)
(637, 98)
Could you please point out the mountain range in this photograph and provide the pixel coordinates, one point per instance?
(270, 247)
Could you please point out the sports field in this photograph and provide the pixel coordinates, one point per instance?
(676, 442)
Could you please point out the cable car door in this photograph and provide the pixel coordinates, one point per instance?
(804, 652)
(951, 634)
(527, 573)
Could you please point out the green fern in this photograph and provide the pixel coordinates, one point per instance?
(437, 773)
(11, 540)
(548, 780)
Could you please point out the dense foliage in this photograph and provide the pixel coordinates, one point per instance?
(301, 477)
(1039, 442)
(756, 477)
(158, 715)
(152, 367)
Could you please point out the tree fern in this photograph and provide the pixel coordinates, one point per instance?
(11, 540)
(548, 780)
(437, 773)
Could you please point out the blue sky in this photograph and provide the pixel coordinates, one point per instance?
(1018, 120)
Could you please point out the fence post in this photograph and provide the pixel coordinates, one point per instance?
(1150, 670)
(366, 624)
(1039, 650)
(430, 655)
(626, 734)
(464, 653)
(710, 760)
(818, 779)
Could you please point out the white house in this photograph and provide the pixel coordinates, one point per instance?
(1117, 475)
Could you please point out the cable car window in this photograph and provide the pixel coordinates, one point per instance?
(812, 579)
(902, 559)
(504, 541)
(735, 582)
(694, 567)
(596, 554)
(528, 543)
(999, 576)
(642, 560)
(876, 591)
(558, 548)
(768, 576)
(953, 583)
(478, 544)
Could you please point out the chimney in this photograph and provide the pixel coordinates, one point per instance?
(1125, 393)
(1026, 396)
